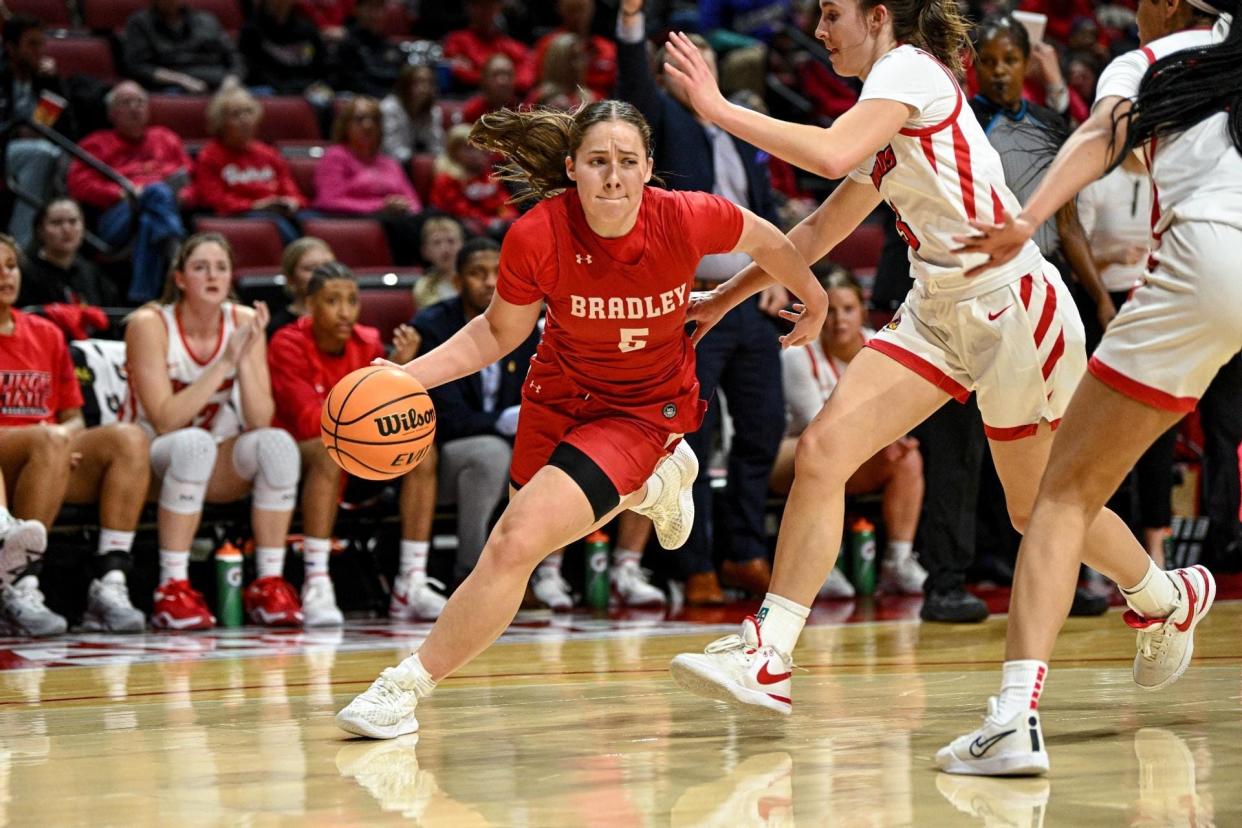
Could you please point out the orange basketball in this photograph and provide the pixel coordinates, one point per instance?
(378, 423)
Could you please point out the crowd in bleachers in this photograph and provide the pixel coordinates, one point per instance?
(315, 154)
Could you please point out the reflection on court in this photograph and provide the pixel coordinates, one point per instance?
(577, 724)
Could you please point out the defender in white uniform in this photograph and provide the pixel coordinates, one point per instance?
(1178, 98)
(1008, 331)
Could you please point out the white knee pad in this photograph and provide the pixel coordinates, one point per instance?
(269, 458)
(183, 459)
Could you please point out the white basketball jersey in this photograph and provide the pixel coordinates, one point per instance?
(1197, 174)
(222, 414)
(939, 173)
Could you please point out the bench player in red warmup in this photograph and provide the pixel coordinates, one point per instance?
(1179, 100)
(1006, 329)
(612, 386)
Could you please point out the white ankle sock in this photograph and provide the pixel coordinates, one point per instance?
(1021, 684)
(623, 556)
(552, 562)
(654, 488)
(269, 561)
(113, 540)
(781, 622)
(417, 674)
(1153, 597)
(6, 520)
(174, 566)
(315, 553)
(898, 551)
(414, 558)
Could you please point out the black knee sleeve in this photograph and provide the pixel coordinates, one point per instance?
(599, 489)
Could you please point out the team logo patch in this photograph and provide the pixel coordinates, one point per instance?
(670, 411)
(892, 326)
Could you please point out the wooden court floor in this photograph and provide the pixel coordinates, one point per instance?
(574, 722)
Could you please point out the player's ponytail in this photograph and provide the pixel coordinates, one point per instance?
(1189, 86)
(536, 142)
(936, 26)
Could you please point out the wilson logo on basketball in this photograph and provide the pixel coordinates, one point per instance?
(391, 424)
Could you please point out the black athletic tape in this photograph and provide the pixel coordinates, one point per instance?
(600, 491)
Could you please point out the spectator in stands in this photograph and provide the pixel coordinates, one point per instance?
(49, 457)
(301, 258)
(283, 50)
(813, 76)
(54, 269)
(810, 375)
(307, 358)
(466, 188)
(199, 386)
(469, 48)
(741, 355)
(329, 16)
(600, 52)
(476, 416)
(369, 62)
(496, 90)
(1061, 15)
(442, 238)
(32, 163)
(235, 175)
(168, 47)
(354, 178)
(154, 161)
(562, 75)
(729, 24)
(413, 121)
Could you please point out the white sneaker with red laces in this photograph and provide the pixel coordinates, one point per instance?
(1165, 645)
(738, 669)
(413, 598)
(178, 606)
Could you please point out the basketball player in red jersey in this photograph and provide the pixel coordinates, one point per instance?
(612, 387)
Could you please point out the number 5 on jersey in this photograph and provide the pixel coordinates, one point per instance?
(631, 341)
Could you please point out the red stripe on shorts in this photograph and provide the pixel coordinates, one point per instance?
(1136, 390)
(1045, 318)
(1058, 350)
(1028, 282)
(921, 367)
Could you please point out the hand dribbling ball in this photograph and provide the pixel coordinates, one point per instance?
(378, 423)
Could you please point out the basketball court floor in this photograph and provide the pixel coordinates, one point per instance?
(573, 721)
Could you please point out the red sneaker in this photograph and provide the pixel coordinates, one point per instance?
(179, 606)
(272, 602)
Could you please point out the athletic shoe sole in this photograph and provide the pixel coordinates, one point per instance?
(689, 465)
(164, 621)
(1190, 647)
(361, 727)
(91, 624)
(702, 680)
(1025, 764)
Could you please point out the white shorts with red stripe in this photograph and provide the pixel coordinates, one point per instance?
(1182, 323)
(1019, 347)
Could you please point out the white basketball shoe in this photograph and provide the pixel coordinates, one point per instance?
(385, 710)
(673, 512)
(1165, 645)
(631, 586)
(108, 607)
(1010, 748)
(837, 586)
(23, 612)
(551, 590)
(413, 598)
(738, 669)
(319, 608)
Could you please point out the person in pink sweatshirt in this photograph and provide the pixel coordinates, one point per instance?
(355, 179)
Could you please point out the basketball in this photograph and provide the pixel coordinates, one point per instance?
(378, 423)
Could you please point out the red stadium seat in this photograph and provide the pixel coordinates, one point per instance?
(89, 56)
(288, 118)
(185, 115)
(421, 173)
(228, 12)
(53, 13)
(397, 22)
(860, 250)
(385, 309)
(356, 242)
(109, 15)
(303, 169)
(255, 242)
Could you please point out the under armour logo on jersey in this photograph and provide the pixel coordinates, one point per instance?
(536, 387)
(583, 259)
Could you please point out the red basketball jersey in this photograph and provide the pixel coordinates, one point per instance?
(616, 308)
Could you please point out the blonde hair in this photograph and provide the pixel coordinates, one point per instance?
(434, 223)
(230, 93)
(458, 138)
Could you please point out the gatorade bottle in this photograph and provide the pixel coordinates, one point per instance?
(862, 556)
(228, 585)
(596, 558)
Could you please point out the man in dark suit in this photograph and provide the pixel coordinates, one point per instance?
(741, 355)
(476, 416)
